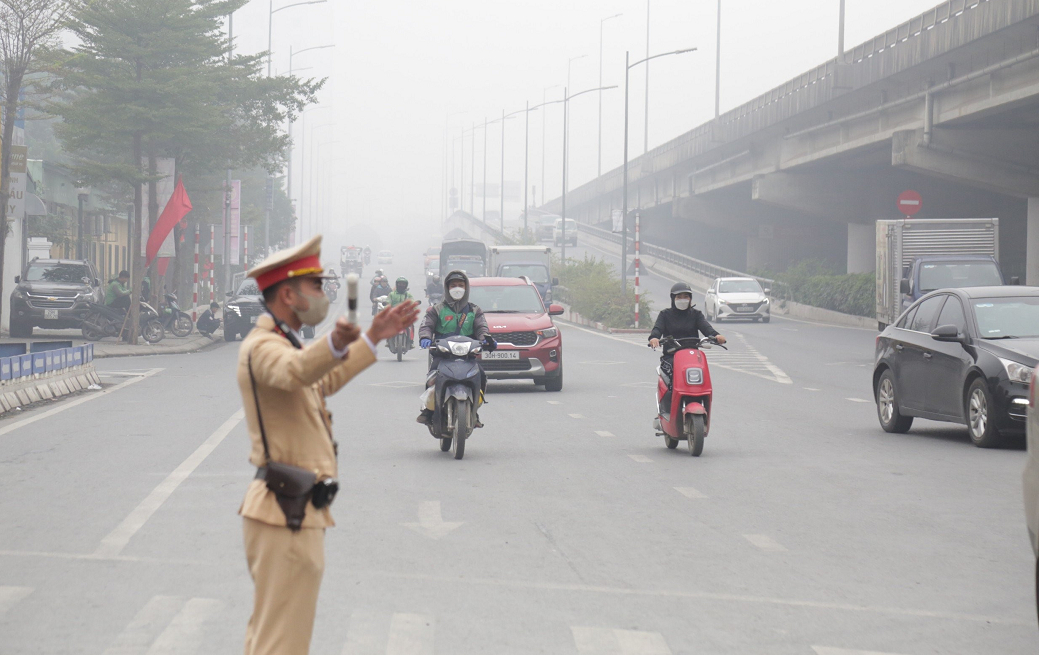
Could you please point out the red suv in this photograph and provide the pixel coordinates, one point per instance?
(529, 344)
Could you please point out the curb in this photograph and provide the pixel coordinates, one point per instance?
(178, 350)
(47, 387)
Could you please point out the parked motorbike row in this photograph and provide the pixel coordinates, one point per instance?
(103, 321)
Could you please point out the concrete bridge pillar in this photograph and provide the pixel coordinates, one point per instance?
(1032, 244)
(862, 248)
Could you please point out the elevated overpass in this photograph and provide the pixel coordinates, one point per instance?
(946, 104)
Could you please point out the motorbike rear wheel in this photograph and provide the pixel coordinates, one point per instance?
(461, 429)
(670, 443)
(181, 326)
(695, 431)
(153, 332)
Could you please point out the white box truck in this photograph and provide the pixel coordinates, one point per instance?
(534, 262)
(918, 255)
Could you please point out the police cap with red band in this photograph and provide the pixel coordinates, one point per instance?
(302, 261)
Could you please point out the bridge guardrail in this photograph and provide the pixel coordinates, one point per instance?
(698, 266)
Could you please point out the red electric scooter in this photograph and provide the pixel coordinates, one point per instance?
(689, 415)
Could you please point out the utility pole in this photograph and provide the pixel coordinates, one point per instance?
(645, 138)
(526, 151)
(484, 190)
(501, 191)
(599, 168)
(840, 32)
(718, 63)
(227, 189)
(472, 171)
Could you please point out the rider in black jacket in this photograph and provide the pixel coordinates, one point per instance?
(681, 321)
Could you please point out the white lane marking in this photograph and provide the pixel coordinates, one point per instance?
(11, 596)
(810, 389)
(604, 433)
(641, 459)
(603, 362)
(690, 492)
(750, 362)
(607, 641)
(765, 542)
(117, 539)
(183, 636)
(145, 626)
(75, 402)
(824, 650)
(411, 634)
(859, 400)
(366, 634)
(553, 402)
(576, 415)
(431, 522)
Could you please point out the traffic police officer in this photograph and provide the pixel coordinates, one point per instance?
(284, 385)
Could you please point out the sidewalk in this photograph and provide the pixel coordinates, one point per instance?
(112, 348)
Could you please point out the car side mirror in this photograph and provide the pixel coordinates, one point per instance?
(903, 286)
(947, 333)
(555, 281)
(555, 310)
(97, 282)
(768, 290)
(17, 279)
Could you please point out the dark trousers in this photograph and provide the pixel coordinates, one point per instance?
(122, 302)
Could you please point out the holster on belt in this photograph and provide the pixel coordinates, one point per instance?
(292, 487)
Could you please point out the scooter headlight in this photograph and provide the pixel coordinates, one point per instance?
(459, 348)
(694, 376)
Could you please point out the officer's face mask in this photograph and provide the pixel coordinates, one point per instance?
(315, 309)
(683, 302)
(456, 293)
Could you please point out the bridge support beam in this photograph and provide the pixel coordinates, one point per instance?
(833, 196)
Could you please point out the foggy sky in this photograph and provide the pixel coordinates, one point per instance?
(399, 67)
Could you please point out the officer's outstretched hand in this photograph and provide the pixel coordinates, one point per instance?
(393, 320)
(344, 333)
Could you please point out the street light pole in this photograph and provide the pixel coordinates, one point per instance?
(544, 120)
(599, 169)
(526, 162)
(565, 115)
(645, 138)
(718, 62)
(483, 192)
(288, 174)
(501, 190)
(624, 209)
(472, 171)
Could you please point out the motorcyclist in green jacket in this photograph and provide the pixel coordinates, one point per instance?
(399, 294)
(117, 295)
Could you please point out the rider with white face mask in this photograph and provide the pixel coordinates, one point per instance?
(681, 321)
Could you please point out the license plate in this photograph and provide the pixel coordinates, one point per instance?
(502, 354)
(744, 308)
(50, 314)
(252, 319)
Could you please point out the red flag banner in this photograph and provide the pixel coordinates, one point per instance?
(176, 209)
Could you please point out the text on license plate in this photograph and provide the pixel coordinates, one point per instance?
(744, 308)
(502, 354)
(50, 314)
(252, 319)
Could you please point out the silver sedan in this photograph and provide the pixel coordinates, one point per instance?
(737, 297)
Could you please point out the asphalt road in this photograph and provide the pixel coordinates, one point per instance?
(568, 527)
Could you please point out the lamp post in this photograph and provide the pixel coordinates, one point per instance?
(570, 61)
(501, 195)
(624, 214)
(303, 162)
(311, 205)
(599, 168)
(288, 175)
(270, 41)
(566, 105)
(718, 61)
(82, 195)
(544, 119)
(445, 210)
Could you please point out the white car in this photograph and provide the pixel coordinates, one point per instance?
(1031, 474)
(571, 232)
(384, 257)
(737, 297)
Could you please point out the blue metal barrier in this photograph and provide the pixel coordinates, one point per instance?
(58, 357)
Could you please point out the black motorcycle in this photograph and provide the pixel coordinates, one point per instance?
(102, 321)
(332, 289)
(173, 318)
(458, 390)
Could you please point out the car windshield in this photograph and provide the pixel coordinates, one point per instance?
(517, 299)
(958, 275)
(63, 273)
(570, 223)
(739, 286)
(249, 288)
(385, 253)
(1007, 318)
(471, 267)
(538, 274)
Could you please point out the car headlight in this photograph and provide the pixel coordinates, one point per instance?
(19, 294)
(235, 308)
(722, 302)
(459, 348)
(694, 376)
(765, 301)
(549, 333)
(1017, 372)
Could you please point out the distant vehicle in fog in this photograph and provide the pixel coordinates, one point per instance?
(468, 255)
(571, 232)
(385, 257)
(737, 297)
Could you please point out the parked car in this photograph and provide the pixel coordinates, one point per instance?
(242, 309)
(529, 344)
(385, 257)
(737, 297)
(571, 232)
(1031, 477)
(54, 293)
(960, 355)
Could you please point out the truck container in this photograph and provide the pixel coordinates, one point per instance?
(468, 255)
(533, 262)
(947, 245)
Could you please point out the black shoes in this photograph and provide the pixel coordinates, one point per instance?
(425, 417)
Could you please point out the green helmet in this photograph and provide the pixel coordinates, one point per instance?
(401, 284)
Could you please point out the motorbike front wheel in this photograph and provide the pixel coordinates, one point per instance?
(181, 326)
(445, 444)
(153, 332)
(461, 429)
(695, 431)
(91, 327)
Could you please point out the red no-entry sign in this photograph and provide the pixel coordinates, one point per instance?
(909, 202)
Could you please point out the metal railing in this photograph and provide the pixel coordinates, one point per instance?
(692, 264)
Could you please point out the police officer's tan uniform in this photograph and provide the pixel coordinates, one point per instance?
(291, 385)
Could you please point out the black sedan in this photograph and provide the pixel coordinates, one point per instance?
(242, 309)
(960, 355)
